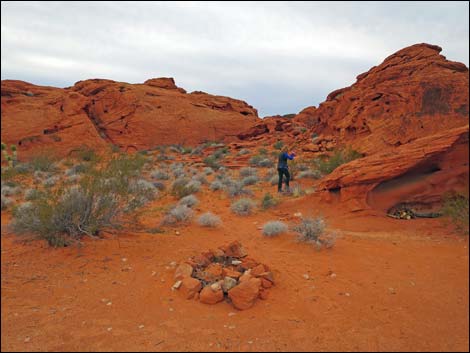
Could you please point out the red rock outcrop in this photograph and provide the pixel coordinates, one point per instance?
(414, 93)
(409, 117)
(100, 112)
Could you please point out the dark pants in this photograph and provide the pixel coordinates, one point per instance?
(283, 171)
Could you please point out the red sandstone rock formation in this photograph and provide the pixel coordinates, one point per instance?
(408, 116)
(100, 112)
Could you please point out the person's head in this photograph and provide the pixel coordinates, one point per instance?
(284, 149)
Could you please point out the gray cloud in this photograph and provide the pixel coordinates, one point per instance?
(280, 57)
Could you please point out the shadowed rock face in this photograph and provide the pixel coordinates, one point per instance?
(101, 112)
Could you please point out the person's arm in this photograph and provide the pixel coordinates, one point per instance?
(291, 156)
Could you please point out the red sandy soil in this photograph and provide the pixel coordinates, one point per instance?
(387, 285)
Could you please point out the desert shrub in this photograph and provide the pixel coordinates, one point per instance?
(340, 156)
(77, 169)
(278, 145)
(159, 185)
(250, 180)
(269, 174)
(126, 165)
(43, 162)
(23, 168)
(158, 174)
(33, 194)
(268, 201)
(273, 228)
(274, 180)
(248, 171)
(297, 191)
(6, 202)
(209, 219)
(266, 163)
(255, 160)
(312, 174)
(243, 151)
(243, 207)
(189, 201)
(455, 206)
(183, 187)
(87, 154)
(178, 214)
(236, 188)
(51, 181)
(68, 213)
(10, 190)
(263, 151)
(197, 151)
(140, 192)
(193, 186)
(216, 185)
(212, 161)
(312, 230)
(201, 179)
(208, 170)
(179, 172)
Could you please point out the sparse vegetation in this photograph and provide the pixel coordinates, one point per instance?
(189, 201)
(268, 201)
(65, 215)
(312, 230)
(178, 214)
(340, 156)
(250, 180)
(248, 171)
(243, 207)
(455, 206)
(278, 145)
(274, 228)
(209, 219)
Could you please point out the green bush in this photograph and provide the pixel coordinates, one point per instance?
(278, 145)
(455, 206)
(339, 157)
(268, 201)
(44, 162)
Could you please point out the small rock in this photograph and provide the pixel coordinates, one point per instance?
(231, 314)
(123, 259)
(347, 294)
(141, 326)
(171, 309)
(333, 275)
(215, 287)
(298, 214)
(306, 276)
(177, 285)
(236, 262)
(27, 339)
(189, 287)
(392, 291)
(182, 271)
(177, 233)
(109, 329)
(210, 296)
(228, 284)
(243, 296)
(110, 303)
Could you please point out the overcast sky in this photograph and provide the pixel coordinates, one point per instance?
(278, 57)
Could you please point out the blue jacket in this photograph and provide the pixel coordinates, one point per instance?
(282, 161)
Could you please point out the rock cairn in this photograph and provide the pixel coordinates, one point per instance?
(226, 273)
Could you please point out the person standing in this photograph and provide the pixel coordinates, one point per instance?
(283, 168)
